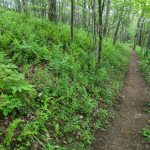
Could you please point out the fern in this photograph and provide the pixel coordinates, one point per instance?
(10, 131)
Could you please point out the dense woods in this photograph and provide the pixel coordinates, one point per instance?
(62, 65)
(119, 19)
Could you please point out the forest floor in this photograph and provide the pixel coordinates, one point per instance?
(124, 132)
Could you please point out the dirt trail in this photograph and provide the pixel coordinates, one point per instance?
(124, 134)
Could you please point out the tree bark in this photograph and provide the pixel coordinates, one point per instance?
(122, 14)
(136, 37)
(148, 40)
(33, 5)
(116, 31)
(147, 45)
(24, 5)
(19, 6)
(72, 20)
(101, 4)
(140, 34)
(84, 22)
(106, 26)
(52, 10)
(94, 25)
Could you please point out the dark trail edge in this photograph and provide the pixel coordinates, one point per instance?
(124, 133)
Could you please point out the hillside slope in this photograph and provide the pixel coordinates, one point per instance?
(52, 93)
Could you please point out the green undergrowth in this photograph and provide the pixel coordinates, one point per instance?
(145, 67)
(144, 62)
(52, 93)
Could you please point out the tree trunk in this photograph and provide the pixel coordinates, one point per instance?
(72, 20)
(101, 8)
(24, 5)
(140, 34)
(94, 25)
(62, 15)
(84, 22)
(116, 31)
(19, 6)
(148, 40)
(33, 6)
(122, 14)
(143, 37)
(106, 26)
(52, 10)
(148, 45)
(89, 19)
(136, 37)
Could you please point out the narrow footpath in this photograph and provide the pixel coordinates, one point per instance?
(124, 134)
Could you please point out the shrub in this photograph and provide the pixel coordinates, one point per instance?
(16, 92)
(145, 67)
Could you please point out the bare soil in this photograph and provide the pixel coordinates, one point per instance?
(124, 133)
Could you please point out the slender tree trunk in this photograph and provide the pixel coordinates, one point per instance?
(122, 14)
(77, 15)
(89, 19)
(84, 22)
(140, 34)
(94, 25)
(18, 6)
(148, 45)
(148, 40)
(33, 6)
(143, 41)
(24, 5)
(59, 10)
(136, 37)
(62, 11)
(42, 9)
(106, 26)
(101, 8)
(72, 20)
(144, 37)
(52, 10)
(116, 31)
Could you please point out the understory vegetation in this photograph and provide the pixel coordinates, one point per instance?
(62, 64)
(144, 62)
(52, 93)
(145, 67)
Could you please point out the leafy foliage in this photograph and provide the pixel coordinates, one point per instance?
(145, 63)
(67, 96)
(145, 67)
(16, 92)
(146, 134)
(10, 131)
